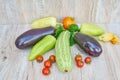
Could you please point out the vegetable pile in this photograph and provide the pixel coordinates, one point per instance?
(47, 33)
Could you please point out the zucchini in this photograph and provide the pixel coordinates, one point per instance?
(91, 29)
(63, 53)
(44, 45)
(44, 22)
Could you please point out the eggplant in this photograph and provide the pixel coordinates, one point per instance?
(30, 37)
(88, 44)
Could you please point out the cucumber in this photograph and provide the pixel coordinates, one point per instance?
(63, 53)
(44, 45)
(44, 22)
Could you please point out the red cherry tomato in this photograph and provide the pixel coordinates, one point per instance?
(80, 64)
(88, 60)
(52, 58)
(39, 59)
(78, 58)
(47, 63)
(46, 71)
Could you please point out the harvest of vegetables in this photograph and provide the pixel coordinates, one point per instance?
(47, 34)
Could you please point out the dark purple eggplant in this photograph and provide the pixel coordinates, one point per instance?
(88, 44)
(32, 36)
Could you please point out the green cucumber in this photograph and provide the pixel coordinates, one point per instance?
(44, 45)
(63, 53)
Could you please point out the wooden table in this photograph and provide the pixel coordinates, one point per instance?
(16, 17)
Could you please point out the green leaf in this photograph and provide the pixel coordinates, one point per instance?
(73, 28)
(59, 30)
(72, 42)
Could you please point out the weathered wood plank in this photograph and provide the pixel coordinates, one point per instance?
(26, 11)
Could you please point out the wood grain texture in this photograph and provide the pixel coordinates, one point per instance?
(15, 66)
(26, 11)
(15, 17)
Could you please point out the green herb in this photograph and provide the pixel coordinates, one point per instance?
(72, 42)
(59, 30)
(73, 28)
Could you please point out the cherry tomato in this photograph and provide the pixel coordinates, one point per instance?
(52, 58)
(47, 63)
(80, 64)
(46, 71)
(88, 60)
(78, 58)
(39, 59)
(67, 21)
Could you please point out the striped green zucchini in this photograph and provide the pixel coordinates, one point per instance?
(63, 53)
